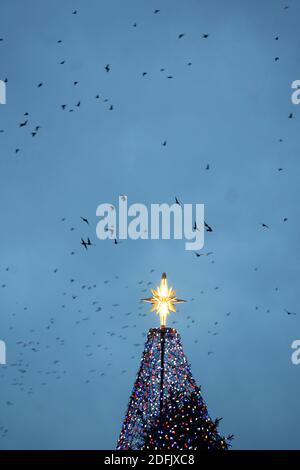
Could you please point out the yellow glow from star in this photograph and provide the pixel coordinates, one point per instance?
(163, 300)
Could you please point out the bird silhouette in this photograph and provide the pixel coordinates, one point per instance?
(198, 254)
(84, 243)
(178, 202)
(289, 313)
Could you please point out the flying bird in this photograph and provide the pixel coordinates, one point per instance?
(177, 201)
(23, 124)
(205, 35)
(84, 243)
(107, 68)
(181, 35)
(289, 313)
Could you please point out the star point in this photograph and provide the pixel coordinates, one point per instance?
(163, 300)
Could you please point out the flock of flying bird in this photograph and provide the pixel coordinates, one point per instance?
(24, 362)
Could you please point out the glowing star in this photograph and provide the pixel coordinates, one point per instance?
(163, 300)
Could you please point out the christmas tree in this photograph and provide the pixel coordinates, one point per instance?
(166, 409)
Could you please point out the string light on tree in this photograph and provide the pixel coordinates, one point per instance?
(166, 410)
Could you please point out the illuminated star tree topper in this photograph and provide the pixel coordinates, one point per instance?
(163, 300)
